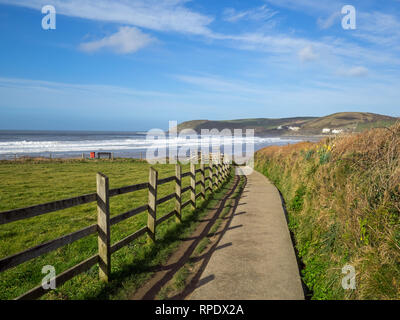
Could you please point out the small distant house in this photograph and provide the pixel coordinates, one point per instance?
(337, 131)
(279, 128)
(294, 128)
(326, 130)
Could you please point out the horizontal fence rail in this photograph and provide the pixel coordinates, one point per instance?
(217, 173)
(128, 189)
(166, 180)
(127, 215)
(63, 277)
(30, 212)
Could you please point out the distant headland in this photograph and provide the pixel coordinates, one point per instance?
(298, 126)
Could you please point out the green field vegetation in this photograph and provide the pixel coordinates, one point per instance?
(343, 202)
(27, 183)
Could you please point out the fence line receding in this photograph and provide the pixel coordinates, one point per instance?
(218, 172)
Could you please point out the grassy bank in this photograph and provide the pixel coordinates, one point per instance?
(28, 183)
(343, 201)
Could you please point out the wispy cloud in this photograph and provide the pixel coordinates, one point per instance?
(126, 40)
(323, 95)
(307, 54)
(62, 88)
(358, 71)
(325, 23)
(379, 28)
(175, 16)
(159, 15)
(257, 14)
(218, 84)
(307, 6)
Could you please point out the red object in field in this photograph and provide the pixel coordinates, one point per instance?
(92, 155)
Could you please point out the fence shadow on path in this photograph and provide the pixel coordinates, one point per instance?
(189, 247)
(205, 258)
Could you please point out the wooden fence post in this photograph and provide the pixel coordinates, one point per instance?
(203, 181)
(210, 174)
(220, 170)
(193, 184)
(178, 192)
(223, 167)
(216, 176)
(152, 210)
(220, 173)
(103, 227)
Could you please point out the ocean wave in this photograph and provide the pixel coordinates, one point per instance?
(27, 146)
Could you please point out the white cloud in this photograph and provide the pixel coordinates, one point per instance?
(218, 84)
(330, 50)
(328, 22)
(258, 14)
(328, 95)
(308, 6)
(359, 71)
(379, 28)
(61, 88)
(275, 43)
(126, 40)
(307, 54)
(373, 26)
(175, 16)
(159, 15)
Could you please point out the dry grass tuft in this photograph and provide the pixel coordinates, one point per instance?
(343, 197)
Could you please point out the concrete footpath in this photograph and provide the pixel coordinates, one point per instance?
(257, 259)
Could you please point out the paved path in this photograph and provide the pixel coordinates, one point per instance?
(257, 259)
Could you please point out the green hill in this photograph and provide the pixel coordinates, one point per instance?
(344, 121)
(356, 121)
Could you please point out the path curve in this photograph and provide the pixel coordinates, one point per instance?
(257, 260)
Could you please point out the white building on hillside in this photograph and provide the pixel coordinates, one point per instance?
(294, 128)
(326, 130)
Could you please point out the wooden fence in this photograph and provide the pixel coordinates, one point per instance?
(218, 172)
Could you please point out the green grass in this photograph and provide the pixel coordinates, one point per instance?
(28, 183)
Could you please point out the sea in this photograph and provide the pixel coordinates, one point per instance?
(74, 144)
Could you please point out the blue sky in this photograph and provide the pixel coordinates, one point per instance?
(135, 65)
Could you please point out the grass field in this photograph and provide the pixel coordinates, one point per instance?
(28, 183)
